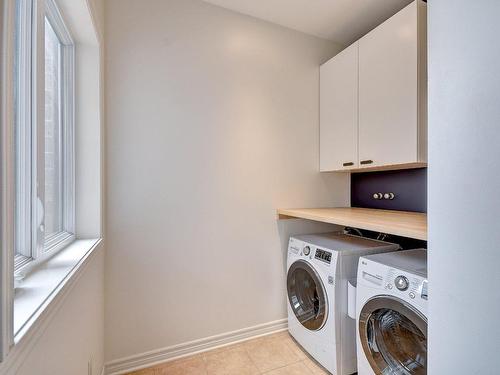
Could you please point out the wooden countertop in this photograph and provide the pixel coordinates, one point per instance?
(400, 223)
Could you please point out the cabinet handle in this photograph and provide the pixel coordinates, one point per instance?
(348, 164)
(364, 162)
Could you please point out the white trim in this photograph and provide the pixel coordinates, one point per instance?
(38, 128)
(57, 241)
(68, 140)
(57, 21)
(20, 261)
(23, 149)
(27, 338)
(67, 117)
(7, 194)
(154, 357)
(52, 245)
(45, 287)
(67, 136)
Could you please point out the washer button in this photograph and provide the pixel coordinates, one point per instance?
(412, 295)
(389, 286)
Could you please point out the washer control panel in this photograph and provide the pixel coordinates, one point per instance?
(320, 256)
(408, 284)
(311, 252)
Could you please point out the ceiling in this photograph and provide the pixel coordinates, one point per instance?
(342, 21)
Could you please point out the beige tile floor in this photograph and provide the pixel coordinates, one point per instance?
(276, 354)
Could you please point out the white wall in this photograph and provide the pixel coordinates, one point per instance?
(212, 125)
(75, 333)
(464, 184)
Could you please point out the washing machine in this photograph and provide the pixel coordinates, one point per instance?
(319, 267)
(391, 309)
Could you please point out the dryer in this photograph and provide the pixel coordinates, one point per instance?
(319, 267)
(391, 305)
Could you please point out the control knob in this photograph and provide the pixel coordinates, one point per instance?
(306, 250)
(402, 283)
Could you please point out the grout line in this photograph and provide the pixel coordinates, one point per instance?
(249, 356)
(252, 361)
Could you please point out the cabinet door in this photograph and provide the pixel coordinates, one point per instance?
(339, 111)
(388, 92)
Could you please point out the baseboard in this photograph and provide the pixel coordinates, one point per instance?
(152, 358)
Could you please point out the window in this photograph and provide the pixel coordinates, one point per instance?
(38, 95)
(43, 133)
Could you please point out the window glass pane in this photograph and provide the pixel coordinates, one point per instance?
(53, 134)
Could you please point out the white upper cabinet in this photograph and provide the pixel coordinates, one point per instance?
(339, 111)
(389, 82)
(373, 98)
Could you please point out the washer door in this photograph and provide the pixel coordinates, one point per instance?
(393, 335)
(307, 295)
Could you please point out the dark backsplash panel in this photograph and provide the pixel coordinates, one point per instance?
(409, 187)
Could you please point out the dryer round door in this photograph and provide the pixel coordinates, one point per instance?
(393, 335)
(307, 295)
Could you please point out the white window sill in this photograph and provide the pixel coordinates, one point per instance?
(39, 288)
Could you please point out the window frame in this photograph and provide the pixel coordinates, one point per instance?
(67, 117)
(31, 245)
(7, 175)
(25, 48)
(88, 170)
